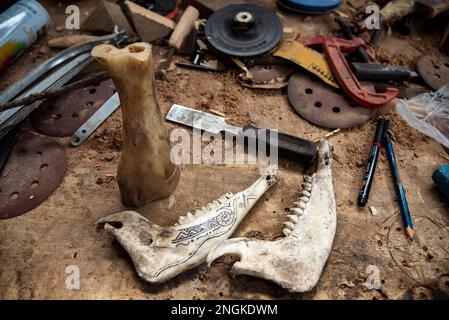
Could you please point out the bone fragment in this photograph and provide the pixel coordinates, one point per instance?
(161, 253)
(296, 261)
(145, 172)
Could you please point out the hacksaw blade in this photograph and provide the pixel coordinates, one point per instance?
(307, 58)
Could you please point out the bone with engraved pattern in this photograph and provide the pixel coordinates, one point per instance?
(296, 261)
(161, 253)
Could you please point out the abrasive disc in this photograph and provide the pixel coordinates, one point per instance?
(434, 69)
(267, 76)
(35, 169)
(62, 116)
(323, 105)
(243, 30)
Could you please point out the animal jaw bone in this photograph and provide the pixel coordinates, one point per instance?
(160, 253)
(145, 172)
(296, 261)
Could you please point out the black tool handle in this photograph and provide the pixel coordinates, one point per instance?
(380, 72)
(291, 147)
(361, 53)
(368, 177)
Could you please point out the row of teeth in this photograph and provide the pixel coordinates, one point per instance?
(189, 217)
(298, 206)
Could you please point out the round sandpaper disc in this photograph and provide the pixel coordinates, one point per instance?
(62, 116)
(434, 69)
(324, 106)
(267, 76)
(35, 169)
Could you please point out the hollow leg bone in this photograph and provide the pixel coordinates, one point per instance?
(145, 172)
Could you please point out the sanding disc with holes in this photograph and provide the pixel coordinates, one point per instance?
(267, 76)
(323, 105)
(434, 69)
(35, 169)
(243, 30)
(62, 116)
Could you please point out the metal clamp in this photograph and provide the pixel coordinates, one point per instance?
(334, 48)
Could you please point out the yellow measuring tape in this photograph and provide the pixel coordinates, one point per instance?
(307, 58)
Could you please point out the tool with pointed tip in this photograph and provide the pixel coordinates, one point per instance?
(398, 186)
(291, 147)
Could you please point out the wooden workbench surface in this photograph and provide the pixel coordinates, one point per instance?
(36, 248)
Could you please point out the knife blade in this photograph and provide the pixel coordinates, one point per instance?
(289, 146)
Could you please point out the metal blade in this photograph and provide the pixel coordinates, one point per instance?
(200, 120)
(95, 120)
(53, 62)
(11, 118)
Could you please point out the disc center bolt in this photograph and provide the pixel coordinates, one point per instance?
(243, 21)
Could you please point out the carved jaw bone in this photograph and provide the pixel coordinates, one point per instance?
(296, 261)
(160, 254)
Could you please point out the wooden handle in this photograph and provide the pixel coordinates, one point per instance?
(183, 28)
(68, 41)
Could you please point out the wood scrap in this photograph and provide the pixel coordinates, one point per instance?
(68, 41)
(185, 26)
(105, 17)
(150, 26)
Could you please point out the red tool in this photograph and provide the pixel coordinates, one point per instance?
(334, 48)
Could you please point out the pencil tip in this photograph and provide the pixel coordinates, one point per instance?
(410, 232)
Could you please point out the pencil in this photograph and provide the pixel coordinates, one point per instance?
(399, 188)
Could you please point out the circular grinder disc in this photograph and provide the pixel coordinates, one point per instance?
(62, 116)
(434, 69)
(33, 172)
(324, 106)
(243, 30)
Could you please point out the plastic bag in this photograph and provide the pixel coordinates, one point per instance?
(428, 113)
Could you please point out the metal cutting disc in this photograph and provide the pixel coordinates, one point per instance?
(243, 30)
(62, 116)
(35, 169)
(434, 69)
(323, 105)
